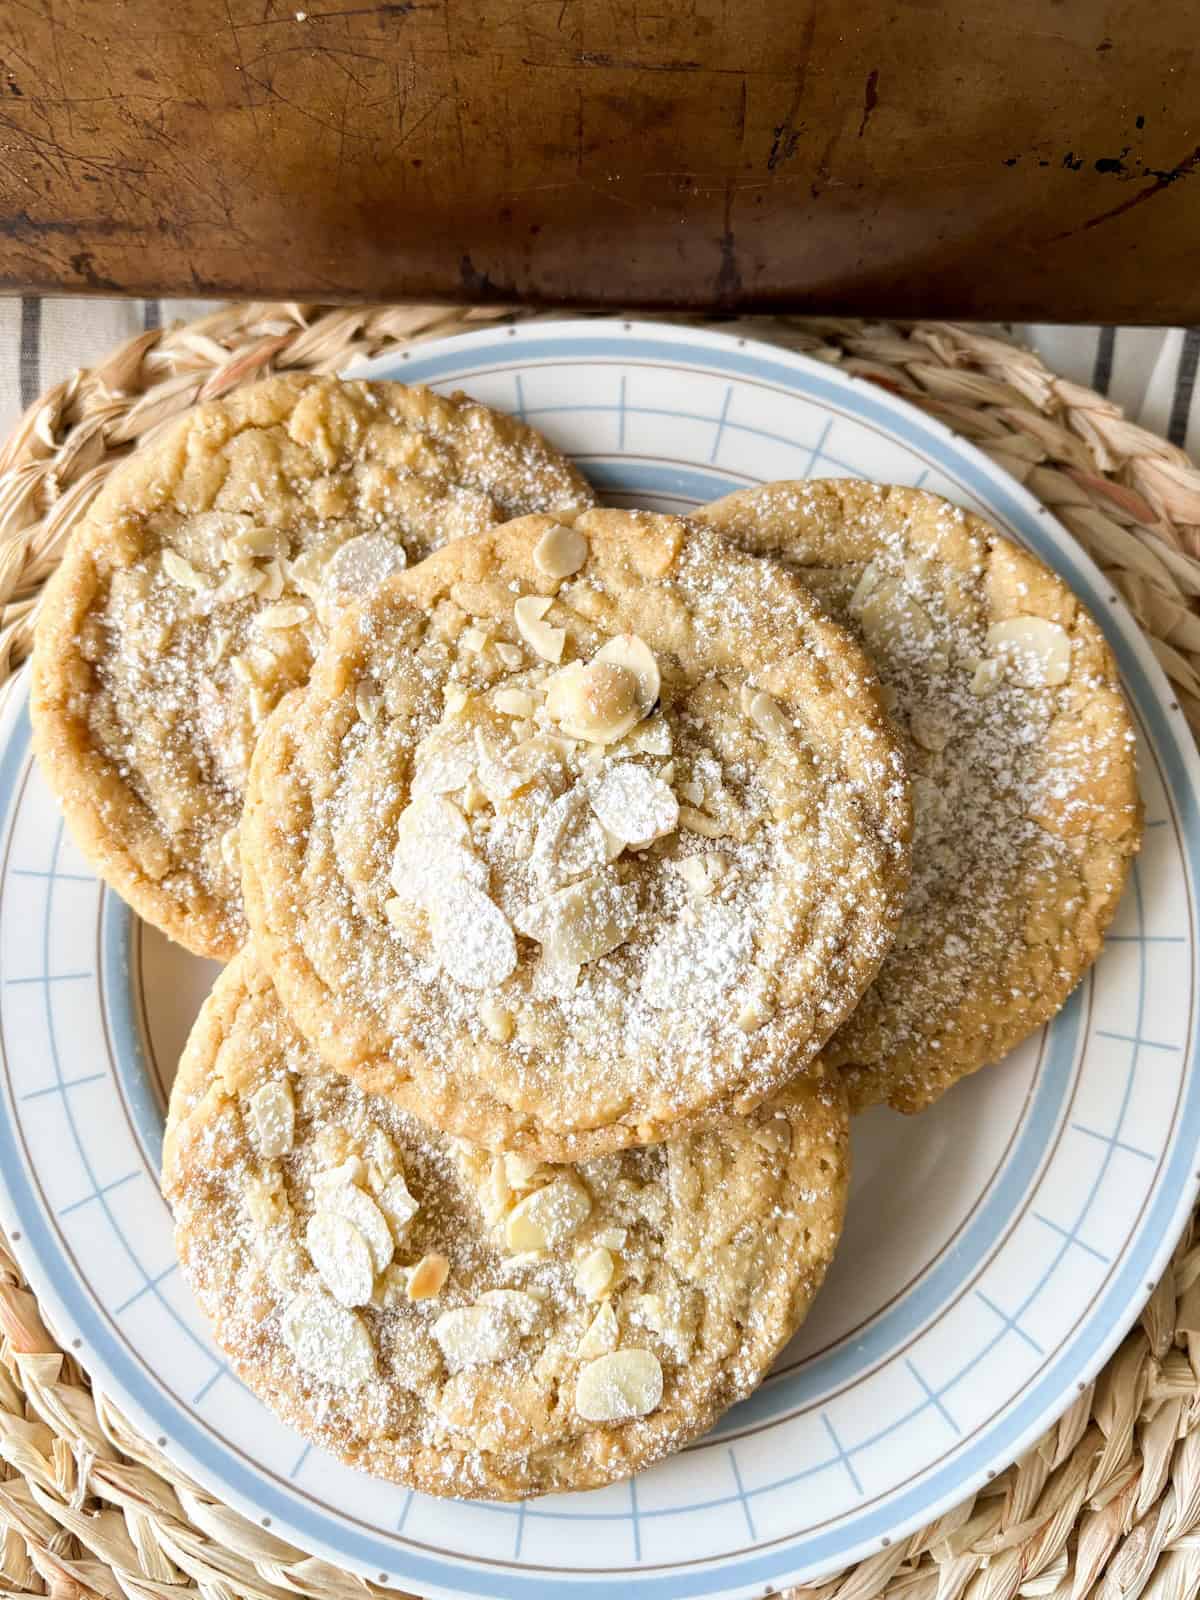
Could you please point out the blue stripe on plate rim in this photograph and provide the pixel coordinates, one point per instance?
(1113, 1313)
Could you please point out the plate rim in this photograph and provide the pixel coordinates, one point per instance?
(1155, 691)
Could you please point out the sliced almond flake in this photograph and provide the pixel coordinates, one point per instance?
(511, 655)
(328, 1341)
(560, 552)
(218, 643)
(342, 1257)
(253, 540)
(182, 572)
(472, 938)
(765, 714)
(428, 1277)
(352, 1170)
(514, 1305)
(474, 1336)
(569, 842)
(285, 614)
(241, 581)
(367, 701)
(612, 1238)
(757, 1002)
(549, 1216)
(398, 1205)
(273, 1118)
(498, 1020)
(692, 792)
(359, 566)
(594, 1274)
(1037, 652)
(521, 1171)
(596, 701)
(473, 640)
(544, 640)
(514, 702)
(473, 798)
(701, 874)
(433, 851)
(619, 1386)
(986, 677)
(699, 822)
(601, 1334)
(444, 760)
(349, 1201)
(633, 804)
(240, 668)
(499, 780)
(891, 615)
(271, 587)
(627, 650)
(653, 737)
(582, 922)
(930, 731)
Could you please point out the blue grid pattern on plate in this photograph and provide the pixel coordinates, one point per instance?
(751, 1571)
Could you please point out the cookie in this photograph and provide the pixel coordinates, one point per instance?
(201, 581)
(1021, 751)
(578, 836)
(470, 1324)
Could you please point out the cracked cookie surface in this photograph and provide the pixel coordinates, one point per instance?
(472, 1324)
(579, 836)
(202, 580)
(1021, 752)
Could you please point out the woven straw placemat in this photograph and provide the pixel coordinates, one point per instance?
(1108, 1502)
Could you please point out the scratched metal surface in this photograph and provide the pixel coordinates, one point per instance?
(1001, 158)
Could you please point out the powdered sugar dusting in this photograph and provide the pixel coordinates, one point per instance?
(711, 1247)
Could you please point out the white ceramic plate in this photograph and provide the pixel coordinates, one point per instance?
(997, 1247)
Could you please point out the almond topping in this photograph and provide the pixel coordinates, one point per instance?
(349, 1201)
(428, 1277)
(627, 650)
(398, 1205)
(601, 1334)
(548, 1217)
(594, 1273)
(583, 921)
(182, 572)
(520, 1171)
(560, 552)
(341, 1256)
(545, 641)
(1037, 652)
(514, 702)
(619, 1386)
(273, 1117)
(699, 822)
(433, 849)
(498, 1020)
(701, 874)
(515, 1305)
(510, 654)
(328, 1341)
(597, 701)
(283, 615)
(766, 716)
(569, 842)
(358, 567)
(474, 1336)
(633, 804)
(987, 675)
(472, 938)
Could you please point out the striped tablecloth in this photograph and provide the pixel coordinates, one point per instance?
(1149, 372)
